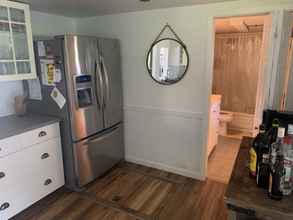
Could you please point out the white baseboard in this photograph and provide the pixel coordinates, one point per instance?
(164, 167)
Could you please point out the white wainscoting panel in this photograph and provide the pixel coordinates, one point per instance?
(164, 139)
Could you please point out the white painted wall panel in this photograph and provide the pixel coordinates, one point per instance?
(163, 139)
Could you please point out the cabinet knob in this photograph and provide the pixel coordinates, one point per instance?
(45, 156)
(2, 175)
(47, 182)
(4, 206)
(42, 133)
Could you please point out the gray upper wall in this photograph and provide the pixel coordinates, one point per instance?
(90, 8)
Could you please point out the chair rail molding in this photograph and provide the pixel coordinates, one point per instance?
(152, 110)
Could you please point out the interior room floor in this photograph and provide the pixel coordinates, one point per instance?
(132, 192)
(221, 160)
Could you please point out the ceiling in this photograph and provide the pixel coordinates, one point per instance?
(88, 8)
(239, 24)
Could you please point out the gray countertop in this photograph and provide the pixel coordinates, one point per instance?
(12, 125)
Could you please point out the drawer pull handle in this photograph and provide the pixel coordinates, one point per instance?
(4, 206)
(42, 134)
(48, 182)
(2, 175)
(45, 156)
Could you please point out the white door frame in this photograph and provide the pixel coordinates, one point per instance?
(289, 68)
(209, 78)
(285, 20)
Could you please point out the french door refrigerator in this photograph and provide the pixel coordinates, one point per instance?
(91, 119)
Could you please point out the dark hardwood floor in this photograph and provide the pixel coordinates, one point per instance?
(132, 192)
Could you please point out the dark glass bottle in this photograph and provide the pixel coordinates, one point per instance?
(263, 155)
(276, 166)
(276, 175)
(273, 132)
(287, 184)
(254, 152)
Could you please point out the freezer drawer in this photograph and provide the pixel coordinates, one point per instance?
(97, 155)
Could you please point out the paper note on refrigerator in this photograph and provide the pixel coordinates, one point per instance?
(48, 72)
(58, 97)
(41, 49)
(35, 89)
(57, 75)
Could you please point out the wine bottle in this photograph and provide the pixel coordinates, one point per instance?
(276, 166)
(263, 165)
(275, 179)
(287, 184)
(273, 132)
(260, 146)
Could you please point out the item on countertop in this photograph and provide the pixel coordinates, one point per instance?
(263, 175)
(252, 161)
(287, 183)
(20, 105)
(276, 176)
(253, 153)
(277, 146)
(263, 155)
(273, 132)
(276, 166)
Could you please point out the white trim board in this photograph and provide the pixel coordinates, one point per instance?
(185, 114)
(160, 166)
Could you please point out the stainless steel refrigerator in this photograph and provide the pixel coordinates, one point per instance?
(92, 118)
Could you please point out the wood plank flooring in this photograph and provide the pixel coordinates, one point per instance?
(134, 192)
(222, 159)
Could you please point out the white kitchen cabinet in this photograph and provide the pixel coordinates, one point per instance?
(17, 60)
(30, 170)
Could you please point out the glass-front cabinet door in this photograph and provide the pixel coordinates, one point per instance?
(16, 44)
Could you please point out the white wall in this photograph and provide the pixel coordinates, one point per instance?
(42, 24)
(165, 125)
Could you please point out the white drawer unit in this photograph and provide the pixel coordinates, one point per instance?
(40, 135)
(9, 145)
(33, 171)
(27, 139)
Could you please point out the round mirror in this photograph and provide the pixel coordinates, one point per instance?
(167, 61)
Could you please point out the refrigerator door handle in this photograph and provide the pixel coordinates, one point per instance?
(100, 91)
(95, 139)
(107, 97)
(96, 84)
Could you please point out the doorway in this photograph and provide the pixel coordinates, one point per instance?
(237, 99)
